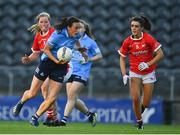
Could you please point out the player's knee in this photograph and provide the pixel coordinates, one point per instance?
(71, 97)
(44, 89)
(32, 95)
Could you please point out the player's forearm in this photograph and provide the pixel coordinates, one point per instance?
(49, 54)
(96, 58)
(159, 55)
(33, 56)
(123, 65)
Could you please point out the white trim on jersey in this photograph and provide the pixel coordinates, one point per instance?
(35, 51)
(121, 54)
(157, 48)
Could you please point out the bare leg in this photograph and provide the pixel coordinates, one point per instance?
(32, 92)
(81, 106)
(135, 88)
(28, 94)
(147, 90)
(52, 96)
(52, 111)
(72, 94)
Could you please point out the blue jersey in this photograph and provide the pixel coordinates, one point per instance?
(58, 40)
(83, 70)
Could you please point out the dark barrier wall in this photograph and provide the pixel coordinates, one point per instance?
(109, 111)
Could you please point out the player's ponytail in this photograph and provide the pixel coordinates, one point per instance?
(34, 28)
(88, 29)
(146, 23)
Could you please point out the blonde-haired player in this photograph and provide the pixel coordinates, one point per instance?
(42, 30)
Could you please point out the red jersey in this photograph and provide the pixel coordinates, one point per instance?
(140, 50)
(40, 40)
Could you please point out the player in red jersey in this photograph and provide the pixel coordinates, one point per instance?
(43, 30)
(144, 52)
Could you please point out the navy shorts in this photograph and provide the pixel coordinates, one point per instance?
(52, 70)
(77, 78)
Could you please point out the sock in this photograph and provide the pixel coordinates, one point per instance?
(50, 113)
(139, 122)
(65, 118)
(21, 102)
(142, 108)
(88, 113)
(36, 116)
(55, 116)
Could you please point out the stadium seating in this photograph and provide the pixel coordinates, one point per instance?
(108, 19)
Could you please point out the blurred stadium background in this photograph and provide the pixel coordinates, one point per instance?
(110, 24)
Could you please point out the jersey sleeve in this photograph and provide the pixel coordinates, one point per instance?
(53, 39)
(35, 46)
(95, 49)
(123, 50)
(154, 44)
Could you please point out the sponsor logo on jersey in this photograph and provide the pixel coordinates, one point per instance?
(140, 52)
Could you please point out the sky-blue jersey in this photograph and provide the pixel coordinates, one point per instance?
(83, 70)
(58, 40)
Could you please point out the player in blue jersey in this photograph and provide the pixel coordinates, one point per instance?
(66, 34)
(80, 75)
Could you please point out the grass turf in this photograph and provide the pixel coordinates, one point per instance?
(23, 127)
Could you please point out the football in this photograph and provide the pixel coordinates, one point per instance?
(64, 54)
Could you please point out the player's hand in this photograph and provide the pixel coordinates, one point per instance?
(142, 66)
(62, 62)
(82, 49)
(25, 59)
(83, 61)
(125, 79)
(85, 56)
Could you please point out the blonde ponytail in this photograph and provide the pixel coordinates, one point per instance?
(34, 28)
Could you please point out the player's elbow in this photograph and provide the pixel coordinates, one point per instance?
(46, 49)
(100, 56)
(161, 54)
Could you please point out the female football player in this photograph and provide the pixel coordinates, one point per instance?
(66, 34)
(42, 30)
(144, 53)
(80, 75)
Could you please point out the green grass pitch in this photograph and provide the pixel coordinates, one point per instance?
(23, 127)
